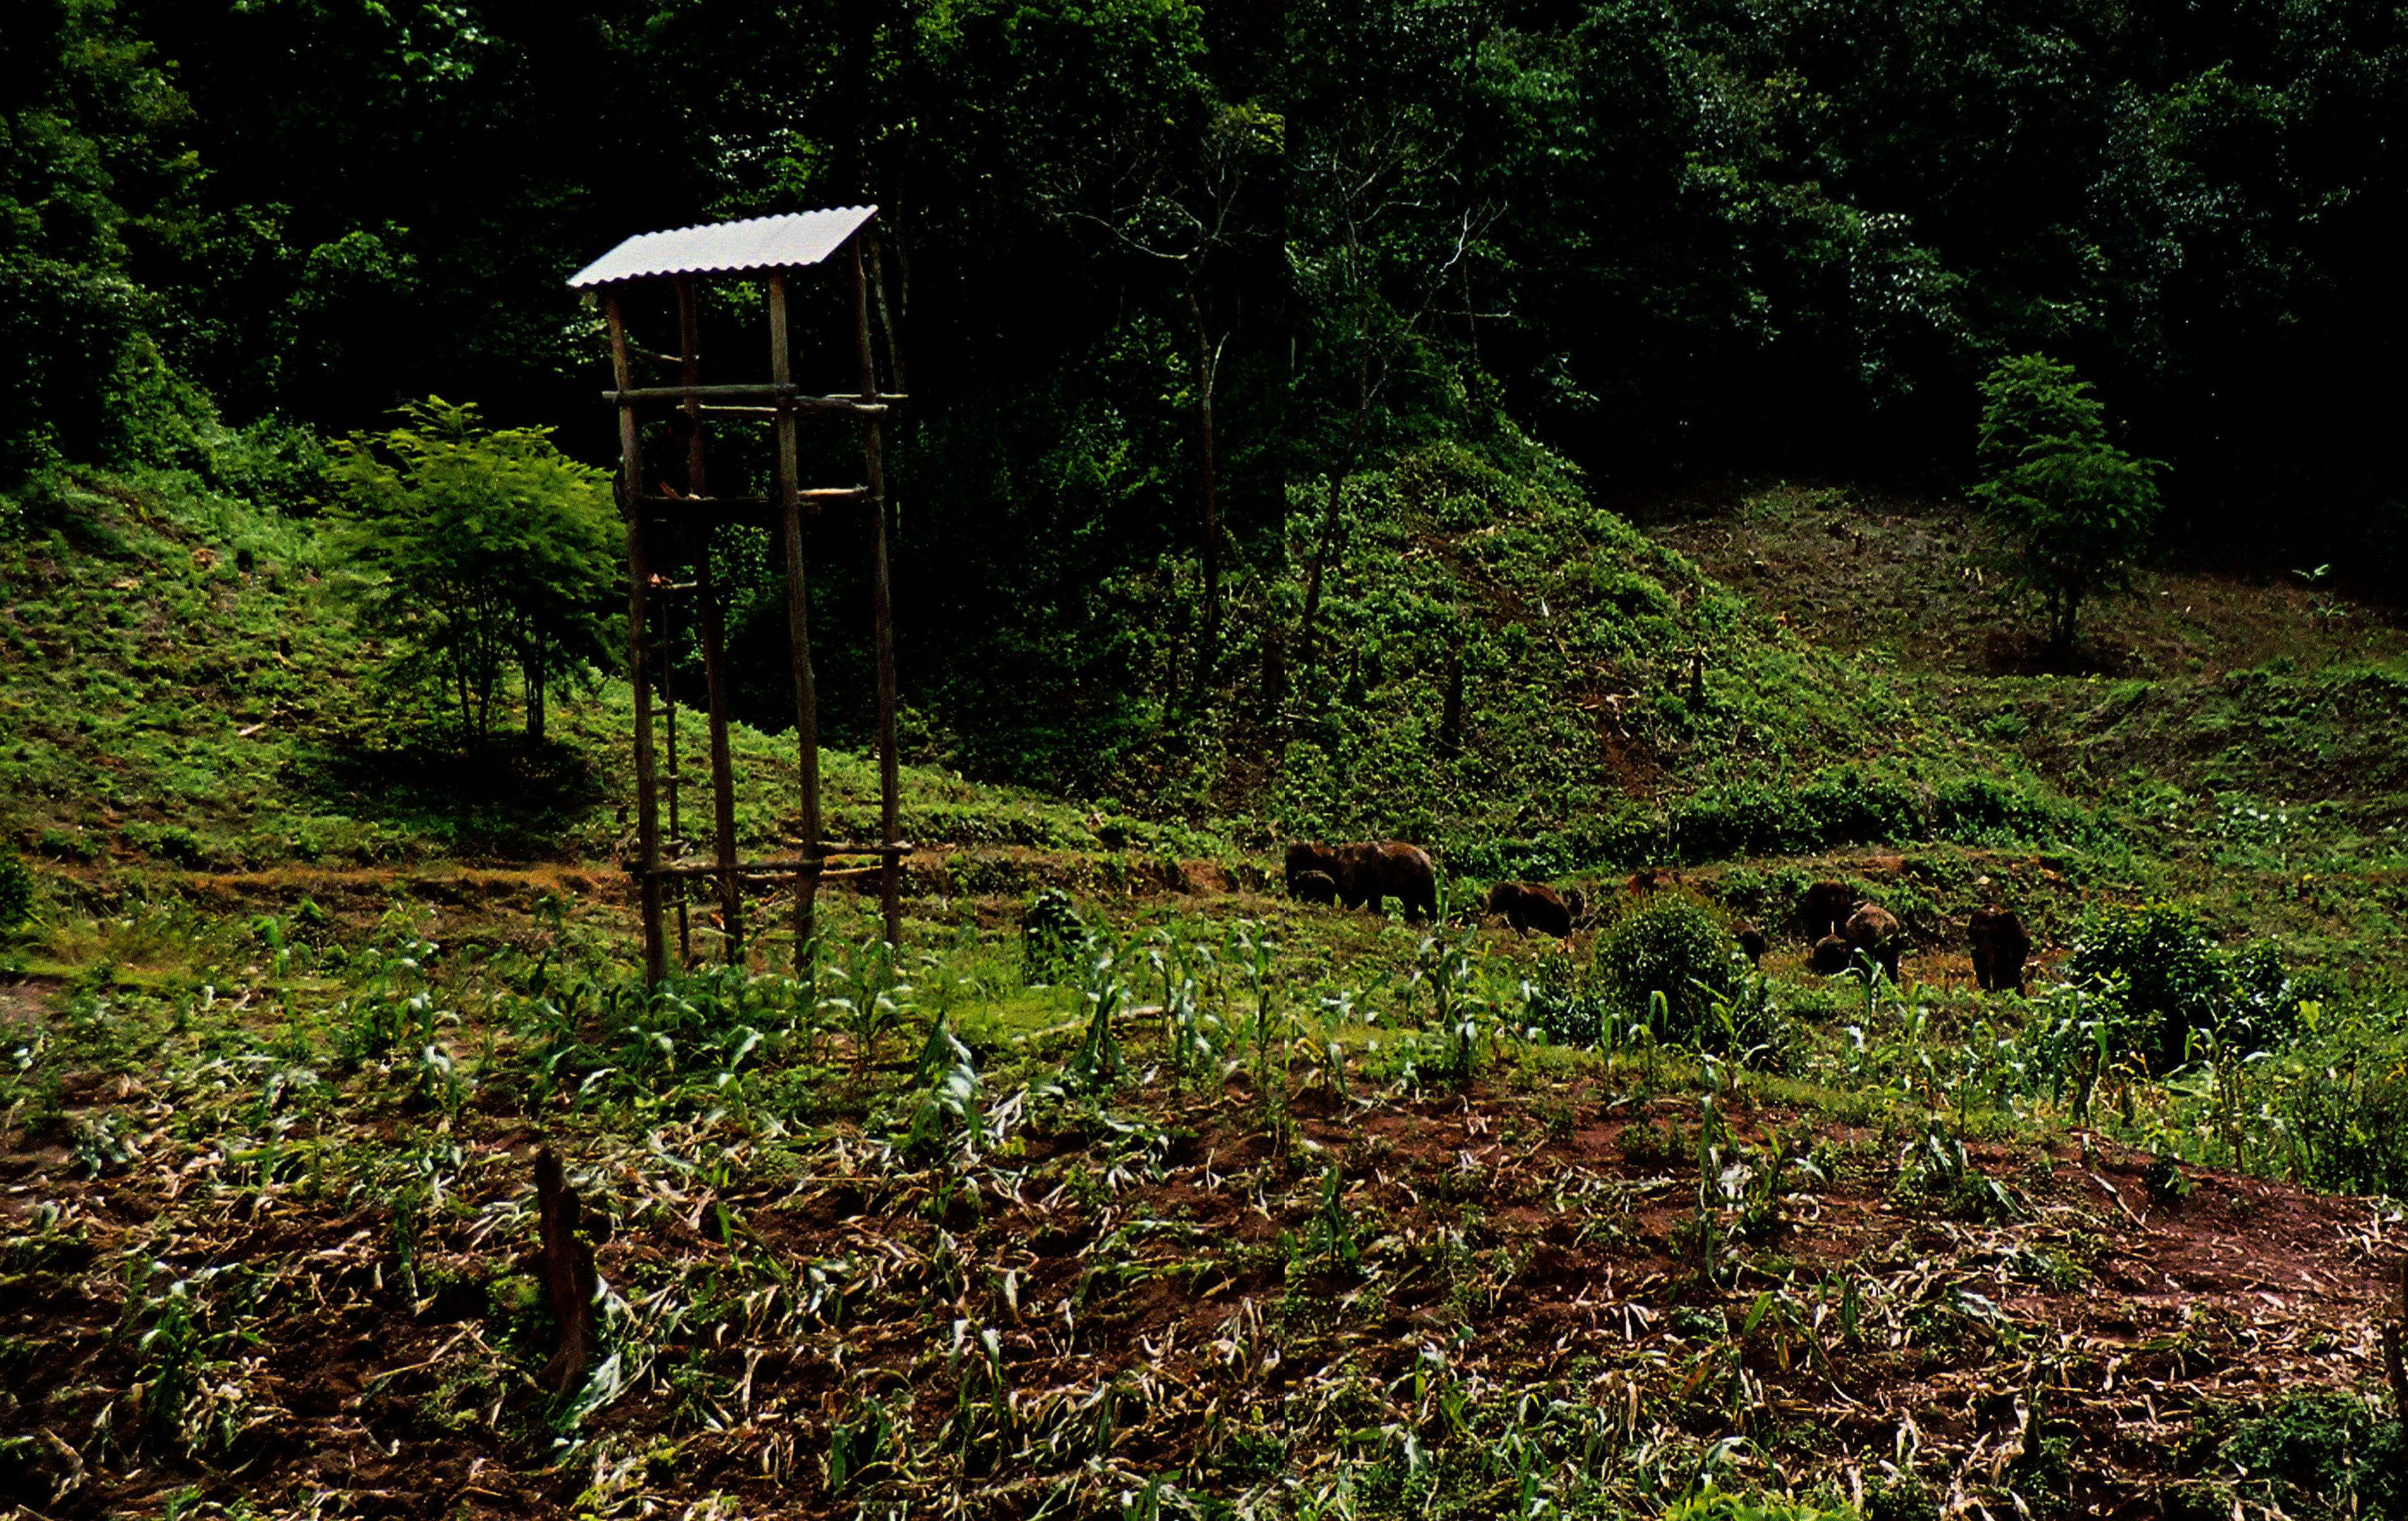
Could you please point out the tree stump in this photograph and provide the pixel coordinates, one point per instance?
(568, 1279)
(2395, 1366)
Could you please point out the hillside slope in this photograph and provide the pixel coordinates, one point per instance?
(183, 685)
(2238, 737)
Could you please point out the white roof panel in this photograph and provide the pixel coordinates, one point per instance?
(786, 242)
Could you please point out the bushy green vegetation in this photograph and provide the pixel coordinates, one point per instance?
(2174, 984)
(1586, 658)
(2318, 1455)
(2079, 511)
(480, 553)
(16, 892)
(1670, 964)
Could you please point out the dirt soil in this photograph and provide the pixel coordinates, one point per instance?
(1525, 1240)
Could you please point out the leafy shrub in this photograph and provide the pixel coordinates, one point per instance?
(1675, 945)
(1051, 933)
(1563, 1004)
(1977, 809)
(16, 892)
(1648, 1143)
(2177, 981)
(1746, 820)
(2342, 1097)
(1537, 858)
(273, 462)
(2167, 1182)
(2262, 1007)
(68, 845)
(2323, 1455)
(173, 843)
(1903, 1497)
(1846, 806)
(1626, 838)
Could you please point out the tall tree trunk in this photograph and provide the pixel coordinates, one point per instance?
(535, 699)
(467, 710)
(2060, 633)
(1326, 544)
(1207, 661)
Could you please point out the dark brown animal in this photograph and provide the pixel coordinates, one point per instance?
(1649, 880)
(1874, 930)
(1577, 901)
(1824, 909)
(2001, 947)
(1312, 887)
(1309, 855)
(1531, 905)
(1830, 956)
(1751, 942)
(1371, 873)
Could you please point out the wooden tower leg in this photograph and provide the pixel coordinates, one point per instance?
(714, 652)
(873, 459)
(798, 634)
(674, 780)
(631, 502)
(722, 771)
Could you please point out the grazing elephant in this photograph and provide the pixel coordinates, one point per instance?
(1751, 942)
(1312, 887)
(2001, 947)
(1649, 880)
(1824, 909)
(1531, 905)
(1373, 871)
(1307, 857)
(1874, 930)
(1830, 956)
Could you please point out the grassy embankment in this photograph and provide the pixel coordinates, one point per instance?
(1236, 1202)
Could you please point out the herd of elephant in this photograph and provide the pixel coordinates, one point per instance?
(1840, 926)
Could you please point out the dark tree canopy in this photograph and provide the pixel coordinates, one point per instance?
(1663, 239)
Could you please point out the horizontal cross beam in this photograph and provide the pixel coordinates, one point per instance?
(788, 395)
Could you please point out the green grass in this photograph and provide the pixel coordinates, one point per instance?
(1239, 1203)
(1237, 1199)
(179, 688)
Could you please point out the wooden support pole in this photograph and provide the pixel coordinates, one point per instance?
(798, 632)
(714, 646)
(669, 712)
(631, 492)
(873, 459)
(723, 768)
(690, 371)
(894, 371)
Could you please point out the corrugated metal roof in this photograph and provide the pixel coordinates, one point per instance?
(787, 242)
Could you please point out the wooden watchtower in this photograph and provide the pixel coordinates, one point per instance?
(773, 249)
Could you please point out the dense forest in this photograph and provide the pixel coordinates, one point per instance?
(1661, 243)
(1653, 764)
